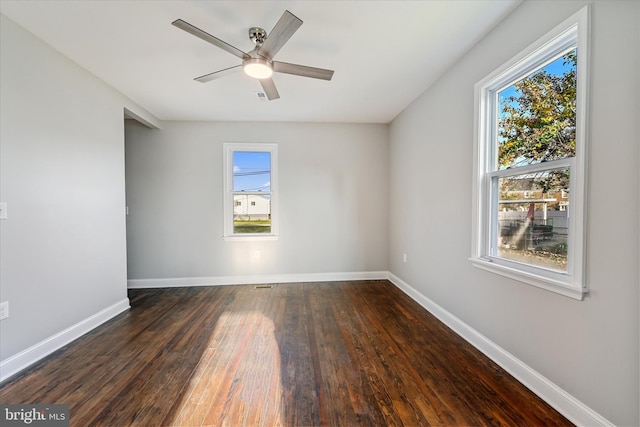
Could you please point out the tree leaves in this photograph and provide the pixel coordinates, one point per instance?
(538, 122)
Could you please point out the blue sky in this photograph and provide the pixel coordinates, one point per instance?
(251, 171)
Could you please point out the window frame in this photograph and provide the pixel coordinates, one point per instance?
(573, 33)
(228, 202)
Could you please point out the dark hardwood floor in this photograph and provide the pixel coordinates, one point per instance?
(331, 354)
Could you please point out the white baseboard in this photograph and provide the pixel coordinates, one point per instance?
(574, 410)
(36, 352)
(255, 279)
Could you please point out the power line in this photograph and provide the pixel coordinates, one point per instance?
(251, 173)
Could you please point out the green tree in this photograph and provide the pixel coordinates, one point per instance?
(538, 122)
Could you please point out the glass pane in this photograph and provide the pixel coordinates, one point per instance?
(533, 219)
(251, 171)
(537, 115)
(251, 213)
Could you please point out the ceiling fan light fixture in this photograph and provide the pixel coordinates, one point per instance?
(257, 68)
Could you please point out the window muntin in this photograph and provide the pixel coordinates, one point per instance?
(549, 159)
(251, 191)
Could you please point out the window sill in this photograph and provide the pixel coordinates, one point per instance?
(250, 238)
(533, 279)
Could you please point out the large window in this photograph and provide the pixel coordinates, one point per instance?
(529, 194)
(250, 203)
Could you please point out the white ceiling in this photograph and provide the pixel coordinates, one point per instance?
(384, 53)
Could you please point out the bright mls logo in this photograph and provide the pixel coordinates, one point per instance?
(34, 415)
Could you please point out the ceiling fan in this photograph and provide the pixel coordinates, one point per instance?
(258, 62)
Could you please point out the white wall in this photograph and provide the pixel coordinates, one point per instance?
(589, 348)
(333, 200)
(63, 245)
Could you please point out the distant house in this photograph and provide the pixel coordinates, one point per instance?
(516, 195)
(251, 207)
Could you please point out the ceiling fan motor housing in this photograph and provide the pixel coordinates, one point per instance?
(257, 35)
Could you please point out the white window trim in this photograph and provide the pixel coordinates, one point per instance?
(574, 31)
(229, 148)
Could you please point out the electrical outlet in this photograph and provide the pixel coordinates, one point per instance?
(4, 310)
(3, 210)
(256, 254)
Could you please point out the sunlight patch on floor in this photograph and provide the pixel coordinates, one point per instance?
(237, 381)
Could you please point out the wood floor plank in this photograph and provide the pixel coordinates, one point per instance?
(315, 354)
(294, 330)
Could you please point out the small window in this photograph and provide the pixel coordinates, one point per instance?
(530, 147)
(250, 204)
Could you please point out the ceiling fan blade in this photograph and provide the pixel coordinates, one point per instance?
(209, 38)
(284, 29)
(269, 88)
(302, 70)
(216, 74)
